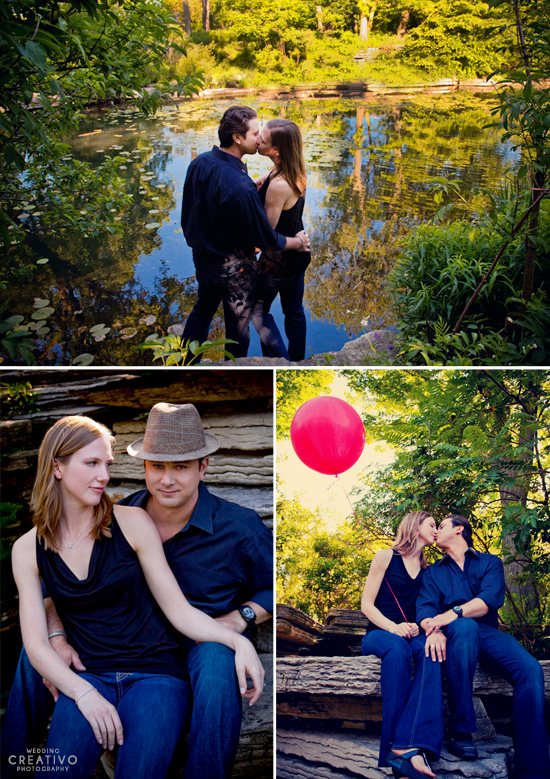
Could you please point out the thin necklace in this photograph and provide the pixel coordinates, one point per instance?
(70, 546)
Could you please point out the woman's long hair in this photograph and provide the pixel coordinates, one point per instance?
(287, 139)
(66, 437)
(407, 533)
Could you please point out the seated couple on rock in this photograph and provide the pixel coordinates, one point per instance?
(445, 612)
(128, 656)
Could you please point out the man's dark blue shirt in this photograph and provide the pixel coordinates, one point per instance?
(222, 213)
(222, 557)
(445, 585)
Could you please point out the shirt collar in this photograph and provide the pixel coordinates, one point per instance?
(203, 511)
(473, 553)
(223, 155)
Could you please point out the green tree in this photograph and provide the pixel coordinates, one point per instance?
(318, 570)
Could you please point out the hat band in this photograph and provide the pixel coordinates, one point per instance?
(174, 449)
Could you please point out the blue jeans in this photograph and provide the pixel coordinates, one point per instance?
(217, 712)
(233, 282)
(29, 708)
(291, 291)
(152, 708)
(213, 730)
(412, 713)
(502, 654)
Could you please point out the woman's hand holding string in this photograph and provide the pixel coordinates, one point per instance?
(102, 717)
(405, 629)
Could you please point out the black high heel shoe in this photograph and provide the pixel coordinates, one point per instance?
(402, 767)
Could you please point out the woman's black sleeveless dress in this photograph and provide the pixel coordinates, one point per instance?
(282, 273)
(110, 617)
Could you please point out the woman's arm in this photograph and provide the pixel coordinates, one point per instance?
(101, 715)
(143, 536)
(378, 568)
(278, 194)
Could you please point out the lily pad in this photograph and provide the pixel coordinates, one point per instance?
(41, 302)
(152, 225)
(15, 320)
(83, 359)
(128, 332)
(101, 328)
(42, 313)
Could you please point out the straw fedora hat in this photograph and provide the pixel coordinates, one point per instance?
(173, 434)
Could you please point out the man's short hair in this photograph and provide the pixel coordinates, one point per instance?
(235, 120)
(457, 520)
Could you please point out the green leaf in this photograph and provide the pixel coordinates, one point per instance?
(36, 54)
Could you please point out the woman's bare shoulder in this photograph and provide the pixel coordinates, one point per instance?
(25, 544)
(281, 186)
(135, 523)
(383, 556)
(131, 514)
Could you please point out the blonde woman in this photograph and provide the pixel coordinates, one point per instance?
(412, 713)
(102, 566)
(282, 191)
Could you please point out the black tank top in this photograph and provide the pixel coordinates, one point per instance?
(405, 589)
(110, 617)
(285, 264)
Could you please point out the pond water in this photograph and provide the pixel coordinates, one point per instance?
(368, 165)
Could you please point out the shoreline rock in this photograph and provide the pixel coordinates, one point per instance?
(374, 348)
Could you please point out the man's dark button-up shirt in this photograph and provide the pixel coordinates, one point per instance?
(222, 557)
(445, 585)
(222, 212)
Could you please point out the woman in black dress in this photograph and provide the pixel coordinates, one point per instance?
(412, 712)
(282, 192)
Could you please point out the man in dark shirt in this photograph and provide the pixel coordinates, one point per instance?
(224, 221)
(222, 557)
(459, 597)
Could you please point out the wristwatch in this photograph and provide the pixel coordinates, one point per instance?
(248, 614)
(458, 610)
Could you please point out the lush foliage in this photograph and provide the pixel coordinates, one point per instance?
(501, 286)
(316, 41)
(17, 398)
(318, 570)
(55, 59)
(437, 273)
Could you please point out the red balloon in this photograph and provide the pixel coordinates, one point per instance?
(327, 435)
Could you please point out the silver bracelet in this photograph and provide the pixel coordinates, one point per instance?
(83, 694)
(57, 633)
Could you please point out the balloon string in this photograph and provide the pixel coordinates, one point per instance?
(372, 550)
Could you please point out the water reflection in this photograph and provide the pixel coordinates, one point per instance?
(368, 163)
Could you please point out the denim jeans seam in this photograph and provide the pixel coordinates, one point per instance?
(420, 695)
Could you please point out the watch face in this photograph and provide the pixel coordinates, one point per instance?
(248, 612)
